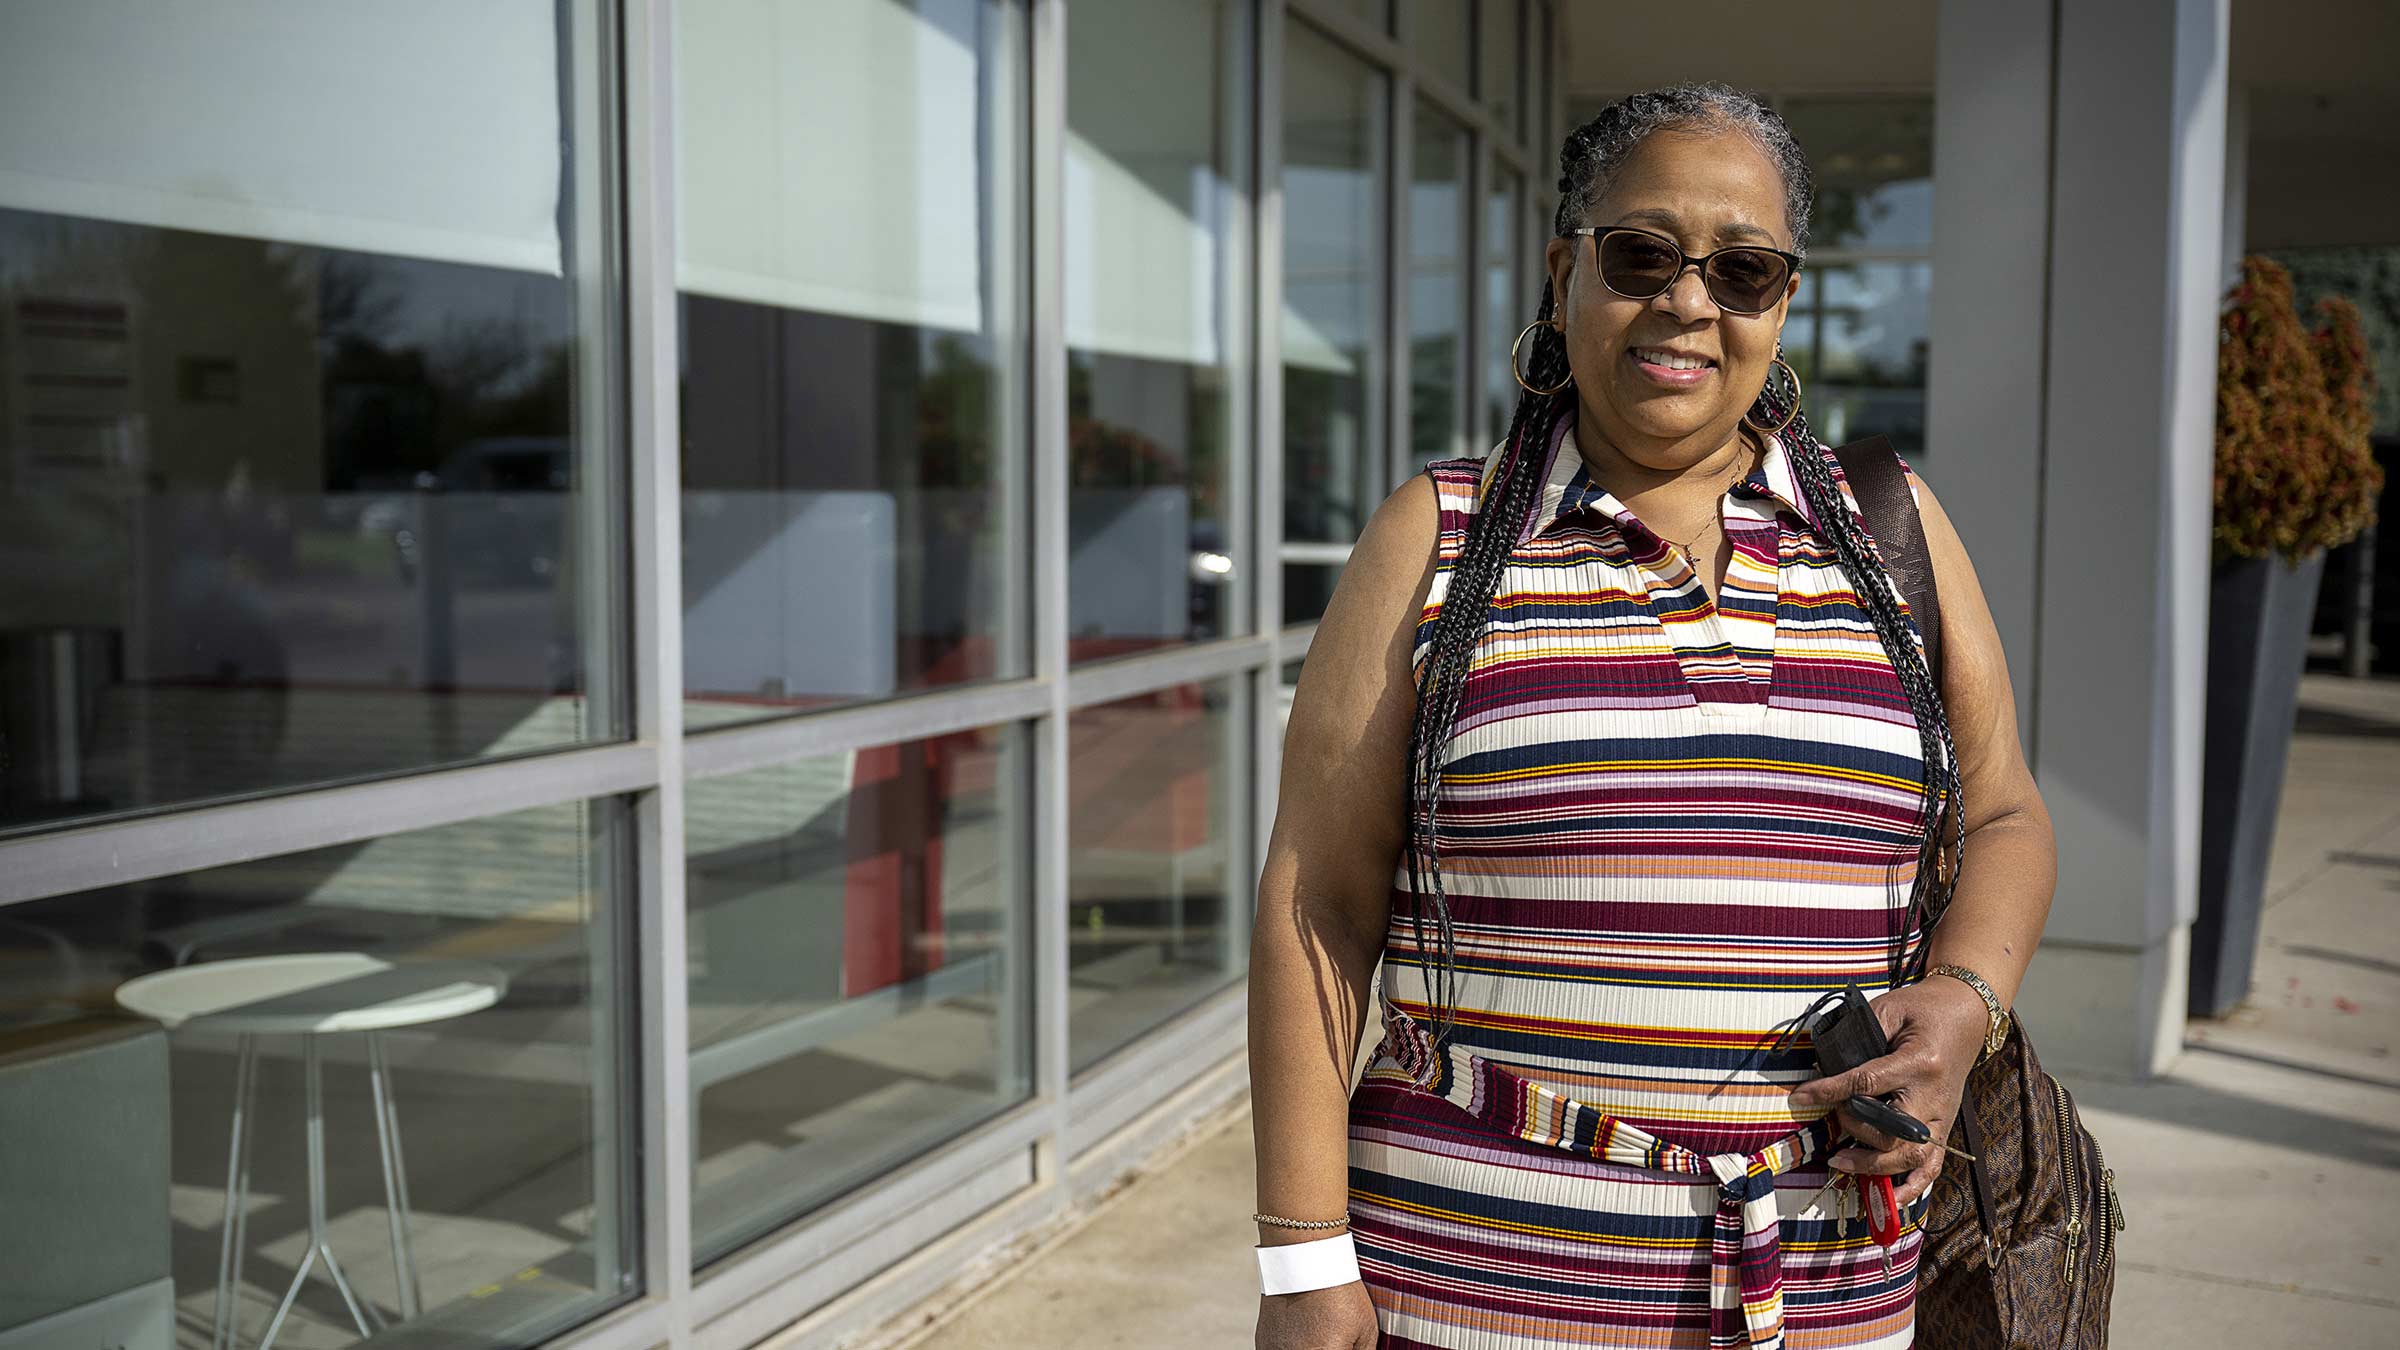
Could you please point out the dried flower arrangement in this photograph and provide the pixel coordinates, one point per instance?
(2295, 473)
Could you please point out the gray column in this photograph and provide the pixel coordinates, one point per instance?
(2073, 396)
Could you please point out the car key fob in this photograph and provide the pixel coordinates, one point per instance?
(1879, 1114)
(1850, 1036)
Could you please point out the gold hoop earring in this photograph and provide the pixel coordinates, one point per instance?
(1789, 413)
(1514, 368)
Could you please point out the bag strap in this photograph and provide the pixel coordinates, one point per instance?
(1981, 1181)
(1876, 479)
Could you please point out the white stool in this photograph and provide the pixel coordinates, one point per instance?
(309, 995)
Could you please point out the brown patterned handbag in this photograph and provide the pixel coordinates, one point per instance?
(2019, 1247)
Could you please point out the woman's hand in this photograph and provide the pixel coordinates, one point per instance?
(1339, 1318)
(1936, 1029)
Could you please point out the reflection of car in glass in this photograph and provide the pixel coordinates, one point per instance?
(1212, 571)
(495, 508)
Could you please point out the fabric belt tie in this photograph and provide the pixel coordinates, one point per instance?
(1746, 1250)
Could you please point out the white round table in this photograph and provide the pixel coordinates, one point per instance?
(311, 994)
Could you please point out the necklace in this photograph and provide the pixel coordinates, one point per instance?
(1716, 518)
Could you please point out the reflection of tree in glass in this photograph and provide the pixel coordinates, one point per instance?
(398, 404)
(1319, 499)
(953, 425)
(1432, 391)
(2370, 278)
(1844, 213)
(1105, 454)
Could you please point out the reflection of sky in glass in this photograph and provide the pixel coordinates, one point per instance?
(1873, 159)
(1499, 58)
(1437, 299)
(1332, 213)
(1872, 319)
(1500, 300)
(1329, 217)
(1893, 215)
(1149, 196)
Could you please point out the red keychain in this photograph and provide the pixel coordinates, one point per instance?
(1883, 1209)
(1883, 1214)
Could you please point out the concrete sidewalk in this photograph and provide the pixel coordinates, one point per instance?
(2261, 1177)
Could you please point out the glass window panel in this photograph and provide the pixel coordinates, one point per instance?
(1334, 357)
(1496, 57)
(852, 360)
(1153, 787)
(1442, 36)
(1857, 333)
(1438, 285)
(304, 389)
(1376, 12)
(1287, 681)
(1545, 136)
(1873, 159)
(858, 969)
(487, 954)
(1507, 305)
(1157, 294)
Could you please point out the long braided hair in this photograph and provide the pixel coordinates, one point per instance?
(1588, 162)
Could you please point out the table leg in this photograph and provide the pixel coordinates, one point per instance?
(222, 1333)
(395, 1175)
(317, 1243)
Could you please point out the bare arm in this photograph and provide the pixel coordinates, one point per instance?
(2010, 862)
(2008, 870)
(1324, 892)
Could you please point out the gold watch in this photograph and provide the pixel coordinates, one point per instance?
(1996, 1034)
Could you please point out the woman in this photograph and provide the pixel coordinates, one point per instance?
(1618, 767)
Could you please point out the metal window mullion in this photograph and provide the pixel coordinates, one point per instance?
(1308, 551)
(1238, 296)
(1548, 131)
(1459, 107)
(1476, 338)
(1346, 29)
(592, 217)
(1400, 364)
(1130, 676)
(1851, 256)
(1267, 467)
(657, 596)
(1294, 641)
(757, 745)
(170, 843)
(1048, 907)
(636, 1326)
(1512, 156)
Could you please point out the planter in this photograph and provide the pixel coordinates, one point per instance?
(2258, 621)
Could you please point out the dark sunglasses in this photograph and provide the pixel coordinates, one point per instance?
(1641, 265)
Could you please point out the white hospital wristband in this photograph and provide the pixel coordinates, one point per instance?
(1295, 1267)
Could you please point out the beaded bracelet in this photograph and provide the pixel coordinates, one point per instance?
(1299, 1223)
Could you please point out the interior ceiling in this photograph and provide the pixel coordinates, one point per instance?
(1827, 46)
(2318, 76)
(1870, 46)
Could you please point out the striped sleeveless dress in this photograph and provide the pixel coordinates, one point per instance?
(1668, 827)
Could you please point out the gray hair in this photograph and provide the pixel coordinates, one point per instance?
(1597, 150)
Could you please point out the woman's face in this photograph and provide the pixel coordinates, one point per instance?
(1705, 190)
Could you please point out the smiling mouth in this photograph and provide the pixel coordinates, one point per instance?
(1666, 360)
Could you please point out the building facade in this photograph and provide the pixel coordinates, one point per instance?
(645, 647)
(646, 639)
